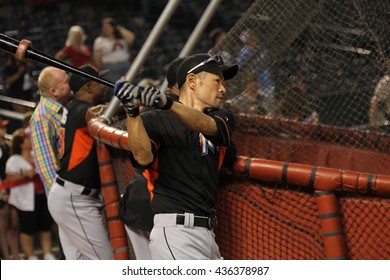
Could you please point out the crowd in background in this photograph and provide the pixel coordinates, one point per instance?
(108, 41)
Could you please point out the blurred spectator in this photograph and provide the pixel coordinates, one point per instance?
(8, 214)
(53, 84)
(216, 36)
(45, 122)
(111, 49)
(258, 58)
(17, 78)
(75, 52)
(149, 82)
(4, 148)
(379, 113)
(247, 101)
(295, 103)
(28, 197)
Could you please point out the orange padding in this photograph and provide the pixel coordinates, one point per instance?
(313, 152)
(331, 228)
(108, 135)
(319, 178)
(111, 197)
(4, 186)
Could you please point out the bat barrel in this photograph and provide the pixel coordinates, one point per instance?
(45, 59)
(10, 45)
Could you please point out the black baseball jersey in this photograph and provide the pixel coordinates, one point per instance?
(184, 174)
(135, 209)
(78, 157)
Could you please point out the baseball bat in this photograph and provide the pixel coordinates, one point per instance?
(10, 45)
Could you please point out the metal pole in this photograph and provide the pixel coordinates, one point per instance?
(196, 33)
(143, 54)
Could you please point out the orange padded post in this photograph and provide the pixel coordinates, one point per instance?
(331, 230)
(111, 199)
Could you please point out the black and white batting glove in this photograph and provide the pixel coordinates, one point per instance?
(124, 91)
(152, 97)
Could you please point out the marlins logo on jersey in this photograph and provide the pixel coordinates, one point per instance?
(207, 145)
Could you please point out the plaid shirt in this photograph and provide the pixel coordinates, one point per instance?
(44, 126)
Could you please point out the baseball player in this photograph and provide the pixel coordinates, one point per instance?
(135, 210)
(74, 200)
(182, 146)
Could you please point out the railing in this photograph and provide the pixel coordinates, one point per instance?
(325, 184)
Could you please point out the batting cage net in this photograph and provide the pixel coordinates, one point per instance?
(308, 74)
(309, 70)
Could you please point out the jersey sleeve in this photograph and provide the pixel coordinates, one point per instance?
(152, 125)
(226, 123)
(136, 165)
(150, 121)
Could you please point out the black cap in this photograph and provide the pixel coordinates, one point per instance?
(76, 82)
(172, 71)
(204, 62)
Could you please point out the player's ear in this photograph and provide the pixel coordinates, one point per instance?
(88, 87)
(191, 80)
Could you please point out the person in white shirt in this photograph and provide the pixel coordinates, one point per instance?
(28, 197)
(111, 49)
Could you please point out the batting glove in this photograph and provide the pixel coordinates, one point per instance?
(152, 97)
(128, 97)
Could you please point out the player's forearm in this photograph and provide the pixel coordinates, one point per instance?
(139, 142)
(194, 119)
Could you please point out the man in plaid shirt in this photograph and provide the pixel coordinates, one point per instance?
(45, 122)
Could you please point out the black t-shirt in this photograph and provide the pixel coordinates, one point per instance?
(15, 90)
(4, 155)
(78, 157)
(184, 174)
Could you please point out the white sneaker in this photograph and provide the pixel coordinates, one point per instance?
(33, 258)
(49, 256)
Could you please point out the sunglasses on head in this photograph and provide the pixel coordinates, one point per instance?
(214, 58)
